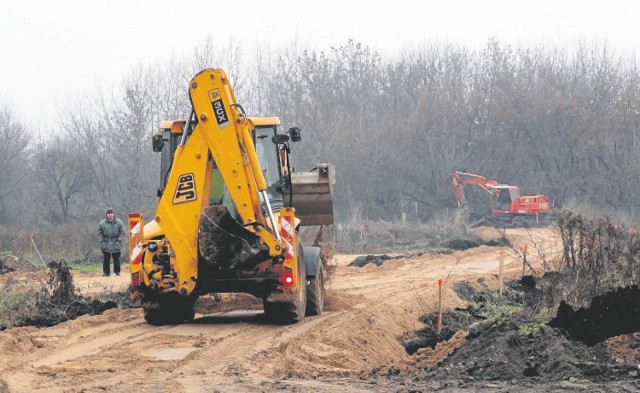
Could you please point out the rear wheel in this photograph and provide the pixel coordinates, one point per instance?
(288, 312)
(316, 292)
(168, 308)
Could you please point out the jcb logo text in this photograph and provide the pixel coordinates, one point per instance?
(185, 189)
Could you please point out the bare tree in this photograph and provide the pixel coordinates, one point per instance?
(553, 122)
(61, 173)
(14, 154)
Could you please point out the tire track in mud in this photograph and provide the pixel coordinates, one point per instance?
(79, 356)
(239, 353)
(109, 335)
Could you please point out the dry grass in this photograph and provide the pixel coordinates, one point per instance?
(18, 304)
(358, 235)
(74, 242)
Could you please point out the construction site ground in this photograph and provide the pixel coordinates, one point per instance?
(355, 346)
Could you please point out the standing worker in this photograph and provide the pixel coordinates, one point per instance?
(111, 232)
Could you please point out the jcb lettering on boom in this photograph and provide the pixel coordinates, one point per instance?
(185, 190)
(218, 108)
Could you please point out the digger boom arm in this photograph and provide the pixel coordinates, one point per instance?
(222, 134)
(460, 178)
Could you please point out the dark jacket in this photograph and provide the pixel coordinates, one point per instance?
(111, 234)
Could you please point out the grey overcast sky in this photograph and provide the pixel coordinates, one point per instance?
(54, 49)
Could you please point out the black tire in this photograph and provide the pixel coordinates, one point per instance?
(286, 313)
(316, 292)
(168, 308)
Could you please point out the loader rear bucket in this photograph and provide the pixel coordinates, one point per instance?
(225, 245)
(313, 195)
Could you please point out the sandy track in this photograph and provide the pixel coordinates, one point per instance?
(369, 309)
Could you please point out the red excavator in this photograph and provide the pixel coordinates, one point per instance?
(509, 208)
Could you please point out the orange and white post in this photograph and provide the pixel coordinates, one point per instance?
(136, 224)
(287, 217)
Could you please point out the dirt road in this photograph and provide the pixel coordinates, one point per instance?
(369, 309)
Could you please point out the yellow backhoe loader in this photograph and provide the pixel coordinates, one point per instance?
(228, 215)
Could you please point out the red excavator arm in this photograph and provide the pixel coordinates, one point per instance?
(460, 178)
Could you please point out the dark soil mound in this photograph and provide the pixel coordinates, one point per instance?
(610, 315)
(88, 306)
(461, 244)
(506, 343)
(526, 292)
(48, 315)
(465, 244)
(9, 263)
(5, 268)
(506, 352)
(452, 321)
(378, 260)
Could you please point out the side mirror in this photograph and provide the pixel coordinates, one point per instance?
(280, 138)
(157, 142)
(296, 134)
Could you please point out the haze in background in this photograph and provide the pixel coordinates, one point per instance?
(53, 50)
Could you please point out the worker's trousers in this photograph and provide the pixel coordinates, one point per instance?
(106, 265)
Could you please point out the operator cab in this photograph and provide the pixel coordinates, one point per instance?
(505, 195)
(272, 150)
(270, 162)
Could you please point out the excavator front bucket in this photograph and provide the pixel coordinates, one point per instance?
(224, 244)
(312, 194)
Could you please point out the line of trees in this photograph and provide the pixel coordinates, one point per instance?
(559, 122)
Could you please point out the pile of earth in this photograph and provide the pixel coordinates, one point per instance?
(377, 260)
(508, 351)
(609, 315)
(506, 342)
(7, 264)
(5, 268)
(465, 244)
